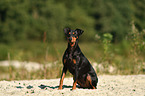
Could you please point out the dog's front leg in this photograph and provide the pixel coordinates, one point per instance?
(62, 77)
(75, 77)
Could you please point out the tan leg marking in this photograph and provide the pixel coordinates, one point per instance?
(61, 81)
(74, 83)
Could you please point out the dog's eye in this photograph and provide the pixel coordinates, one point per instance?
(74, 33)
(68, 34)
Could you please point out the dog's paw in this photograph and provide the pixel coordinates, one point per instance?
(59, 88)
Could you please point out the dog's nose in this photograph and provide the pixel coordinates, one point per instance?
(70, 39)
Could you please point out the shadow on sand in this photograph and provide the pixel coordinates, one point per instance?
(45, 86)
(54, 87)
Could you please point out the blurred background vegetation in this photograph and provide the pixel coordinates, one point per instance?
(32, 30)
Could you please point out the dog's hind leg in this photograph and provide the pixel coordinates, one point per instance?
(90, 82)
(87, 83)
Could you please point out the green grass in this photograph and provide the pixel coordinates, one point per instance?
(119, 56)
(127, 57)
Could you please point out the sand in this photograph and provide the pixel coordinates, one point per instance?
(109, 85)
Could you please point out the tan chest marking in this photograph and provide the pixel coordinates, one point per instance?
(74, 61)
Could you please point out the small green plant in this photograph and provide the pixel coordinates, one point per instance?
(138, 47)
(107, 37)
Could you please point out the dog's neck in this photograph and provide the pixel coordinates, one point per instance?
(72, 47)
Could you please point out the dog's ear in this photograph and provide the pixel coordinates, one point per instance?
(66, 30)
(79, 31)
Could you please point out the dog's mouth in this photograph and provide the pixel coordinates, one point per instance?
(72, 44)
(72, 41)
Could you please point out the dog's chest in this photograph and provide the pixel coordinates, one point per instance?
(70, 56)
(70, 62)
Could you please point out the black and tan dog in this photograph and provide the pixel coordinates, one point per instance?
(77, 64)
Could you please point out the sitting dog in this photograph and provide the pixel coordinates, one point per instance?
(77, 64)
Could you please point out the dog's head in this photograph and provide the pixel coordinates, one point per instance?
(72, 35)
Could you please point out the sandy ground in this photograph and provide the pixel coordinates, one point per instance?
(109, 85)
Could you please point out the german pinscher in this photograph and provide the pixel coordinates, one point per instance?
(77, 64)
